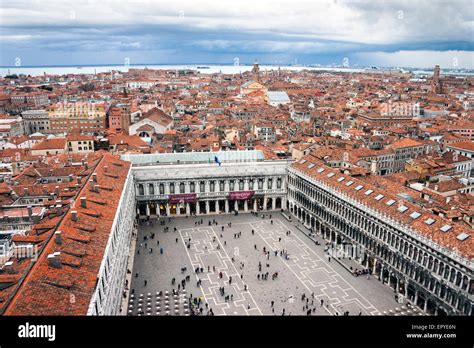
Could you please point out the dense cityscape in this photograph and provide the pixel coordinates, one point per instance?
(373, 169)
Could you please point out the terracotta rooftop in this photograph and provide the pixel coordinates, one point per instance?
(46, 290)
(431, 231)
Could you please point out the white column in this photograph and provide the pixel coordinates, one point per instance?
(236, 205)
(217, 207)
(246, 184)
(274, 203)
(167, 188)
(147, 209)
(187, 187)
(198, 209)
(264, 202)
(226, 206)
(226, 186)
(207, 207)
(168, 210)
(246, 208)
(188, 209)
(178, 209)
(207, 187)
(255, 204)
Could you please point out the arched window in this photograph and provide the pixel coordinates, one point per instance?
(162, 189)
(181, 187)
(141, 191)
(172, 187)
(151, 189)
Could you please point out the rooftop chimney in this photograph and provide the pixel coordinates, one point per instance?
(56, 190)
(45, 190)
(9, 267)
(74, 215)
(57, 237)
(30, 210)
(96, 188)
(25, 189)
(79, 180)
(53, 260)
(106, 168)
(94, 177)
(91, 185)
(83, 202)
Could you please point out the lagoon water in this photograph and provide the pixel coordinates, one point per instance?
(225, 69)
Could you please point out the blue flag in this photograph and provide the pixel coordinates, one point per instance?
(217, 160)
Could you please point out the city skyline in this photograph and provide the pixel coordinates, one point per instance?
(358, 33)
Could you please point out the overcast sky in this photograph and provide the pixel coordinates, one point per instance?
(383, 33)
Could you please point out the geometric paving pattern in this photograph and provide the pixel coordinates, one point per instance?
(316, 275)
(235, 258)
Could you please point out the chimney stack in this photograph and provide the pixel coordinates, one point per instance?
(45, 190)
(91, 185)
(94, 177)
(74, 215)
(79, 181)
(83, 202)
(30, 210)
(96, 188)
(53, 260)
(9, 267)
(56, 190)
(57, 237)
(27, 193)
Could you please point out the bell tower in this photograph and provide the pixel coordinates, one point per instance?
(255, 72)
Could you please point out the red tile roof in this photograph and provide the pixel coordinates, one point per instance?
(68, 290)
(432, 232)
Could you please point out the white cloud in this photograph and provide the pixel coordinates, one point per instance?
(446, 59)
(385, 22)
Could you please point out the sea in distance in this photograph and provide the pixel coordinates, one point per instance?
(202, 68)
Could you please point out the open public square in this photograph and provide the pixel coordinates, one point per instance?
(246, 264)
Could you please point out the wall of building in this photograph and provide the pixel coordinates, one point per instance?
(107, 296)
(431, 277)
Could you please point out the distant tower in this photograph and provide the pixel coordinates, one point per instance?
(255, 72)
(436, 83)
